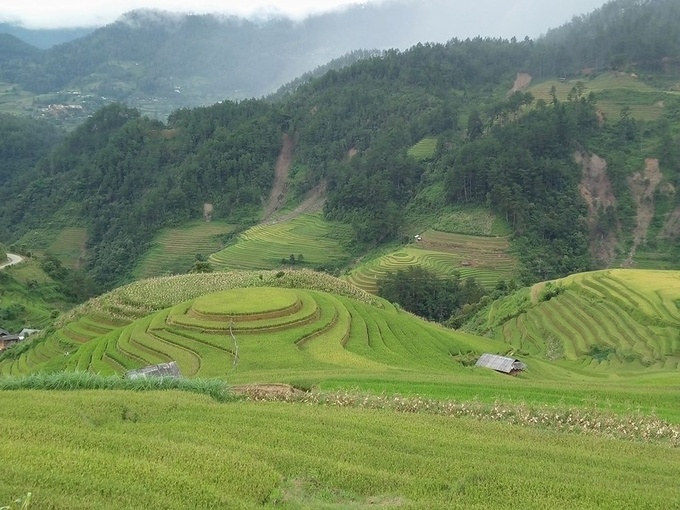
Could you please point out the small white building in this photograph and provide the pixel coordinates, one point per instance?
(502, 364)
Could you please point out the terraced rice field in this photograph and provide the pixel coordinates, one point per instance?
(69, 246)
(170, 450)
(265, 246)
(484, 258)
(121, 307)
(616, 320)
(471, 220)
(424, 149)
(267, 334)
(613, 91)
(174, 250)
(296, 332)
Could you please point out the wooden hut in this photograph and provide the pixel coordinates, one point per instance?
(7, 340)
(502, 364)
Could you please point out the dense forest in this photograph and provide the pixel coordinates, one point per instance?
(637, 34)
(159, 61)
(124, 176)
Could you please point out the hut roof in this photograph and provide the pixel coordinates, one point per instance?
(500, 363)
(163, 370)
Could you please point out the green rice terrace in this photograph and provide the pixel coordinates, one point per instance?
(614, 91)
(175, 249)
(262, 333)
(621, 321)
(484, 258)
(69, 246)
(379, 409)
(268, 246)
(424, 149)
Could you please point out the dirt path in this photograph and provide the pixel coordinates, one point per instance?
(277, 196)
(13, 259)
(313, 203)
(643, 186)
(266, 391)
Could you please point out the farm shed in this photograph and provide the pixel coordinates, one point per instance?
(500, 363)
(163, 370)
(7, 340)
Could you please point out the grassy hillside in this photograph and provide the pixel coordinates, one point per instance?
(29, 298)
(346, 339)
(69, 246)
(614, 91)
(256, 333)
(175, 249)
(617, 321)
(424, 149)
(268, 246)
(484, 258)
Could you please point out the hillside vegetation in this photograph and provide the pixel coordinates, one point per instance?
(163, 450)
(396, 415)
(618, 321)
(396, 141)
(344, 339)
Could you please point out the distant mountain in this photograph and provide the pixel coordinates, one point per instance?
(642, 34)
(44, 38)
(159, 61)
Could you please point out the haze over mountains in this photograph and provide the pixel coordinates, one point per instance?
(159, 61)
(390, 143)
(432, 20)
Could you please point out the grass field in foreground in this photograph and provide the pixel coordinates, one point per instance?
(484, 258)
(175, 249)
(170, 450)
(320, 242)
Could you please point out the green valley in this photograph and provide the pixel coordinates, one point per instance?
(326, 267)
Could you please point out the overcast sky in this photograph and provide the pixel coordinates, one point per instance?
(541, 14)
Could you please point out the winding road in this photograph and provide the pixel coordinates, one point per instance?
(13, 259)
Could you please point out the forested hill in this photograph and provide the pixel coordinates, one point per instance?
(123, 176)
(43, 37)
(637, 34)
(159, 61)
